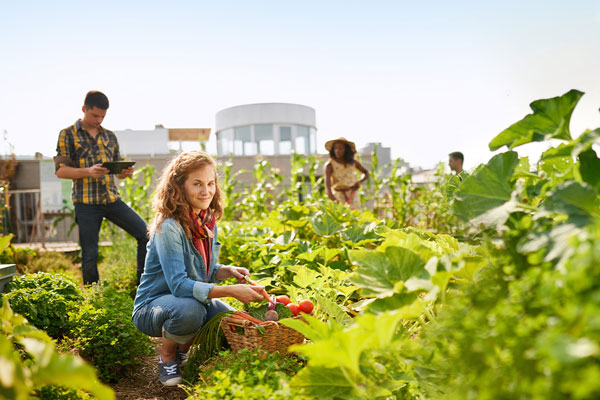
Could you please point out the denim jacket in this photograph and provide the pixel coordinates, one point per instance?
(174, 266)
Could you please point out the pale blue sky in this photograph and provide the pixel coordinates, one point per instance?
(423, 79)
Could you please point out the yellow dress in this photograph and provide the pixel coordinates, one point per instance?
(343, 178)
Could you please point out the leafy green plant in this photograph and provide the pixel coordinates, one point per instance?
(247, 375)
(49, 261)
(14, 255)
(30, 362)
(104, 334)
(45, 300)
(118, 265)
(60, 393)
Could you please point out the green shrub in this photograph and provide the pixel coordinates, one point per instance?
(60, 393)
(119, 265)
(45, 300)
(49, 261)
(247, 375)
(30, 364)
(104, 334)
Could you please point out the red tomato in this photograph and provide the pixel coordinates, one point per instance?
(306, 306)
(283, 299)
(293, 308)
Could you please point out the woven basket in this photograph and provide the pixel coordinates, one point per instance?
(243, 334)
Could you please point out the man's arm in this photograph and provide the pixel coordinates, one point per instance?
(67, 172)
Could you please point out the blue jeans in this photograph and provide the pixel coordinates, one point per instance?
(176, 318)
(89, 219)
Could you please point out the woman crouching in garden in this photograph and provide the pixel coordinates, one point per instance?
(176, 296)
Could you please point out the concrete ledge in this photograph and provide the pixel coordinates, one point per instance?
(7, 271)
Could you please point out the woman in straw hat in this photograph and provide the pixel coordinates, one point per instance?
(340, 172)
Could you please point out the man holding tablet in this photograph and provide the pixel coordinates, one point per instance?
(89, 155)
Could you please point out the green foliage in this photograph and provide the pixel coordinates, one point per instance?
(521, 333)
(513, 317)
(247, 375)
(488, 188)
(14, 255)
(104, 334)
(118, 265)
(550, 120)
(60, 393)
(49, 261)
(45, 300)
(526, 327)
(358, 362)
(30, 362)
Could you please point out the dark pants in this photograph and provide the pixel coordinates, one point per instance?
(89, 219)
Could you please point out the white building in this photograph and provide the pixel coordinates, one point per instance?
(160, 141)
(267, 129)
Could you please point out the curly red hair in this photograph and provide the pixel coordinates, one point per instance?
(169, 200)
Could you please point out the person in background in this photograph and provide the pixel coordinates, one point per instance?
(177, 295)
(455, 161)
(341, 183)
(80, 152)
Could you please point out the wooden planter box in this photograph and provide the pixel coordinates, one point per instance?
(7, 271)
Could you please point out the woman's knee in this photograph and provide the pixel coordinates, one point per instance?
(190, 316)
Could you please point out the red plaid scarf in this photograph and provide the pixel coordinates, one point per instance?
(202, 233)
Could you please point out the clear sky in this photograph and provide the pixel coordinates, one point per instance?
(424, 78)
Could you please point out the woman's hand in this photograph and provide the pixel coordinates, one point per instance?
(228, 271)
(246, 293)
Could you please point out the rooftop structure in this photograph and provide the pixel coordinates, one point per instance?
(266, 129)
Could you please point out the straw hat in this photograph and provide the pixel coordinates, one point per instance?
(329, 144)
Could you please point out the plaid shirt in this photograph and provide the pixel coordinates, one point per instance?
(78, 149)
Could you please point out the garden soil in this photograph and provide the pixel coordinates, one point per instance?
(142, 383)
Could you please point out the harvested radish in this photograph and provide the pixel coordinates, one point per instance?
(271, 315)
(283, 299)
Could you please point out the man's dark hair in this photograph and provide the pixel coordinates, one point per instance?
(457, 155)
(94, 98)
(348, 153)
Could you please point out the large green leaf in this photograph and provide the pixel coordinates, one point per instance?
(5, 241)
(550, 119)
(52, 368)
(395, 302)
(360, 234)
(425, 244)
(380, 273)
(574, 147)
(333, 309)
(322, 383)
(325, 225)
(304, 277)
(579, 201)
(336, 363)
(589, 167)
(489, 187)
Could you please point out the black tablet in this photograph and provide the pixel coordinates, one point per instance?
(115, 167)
